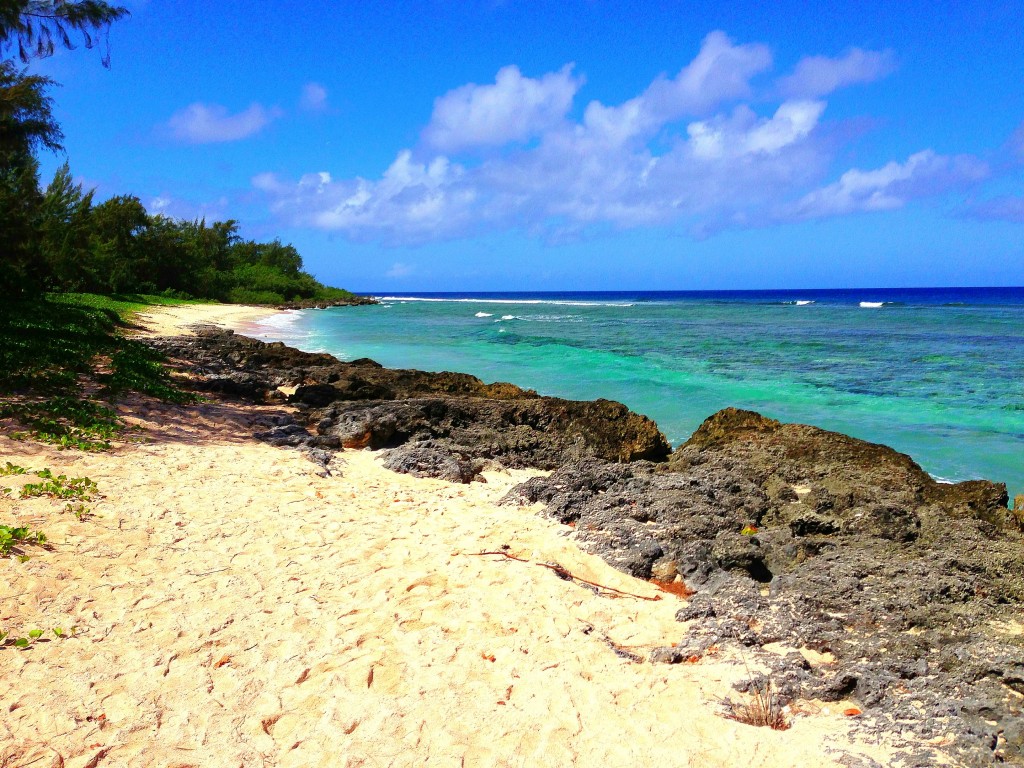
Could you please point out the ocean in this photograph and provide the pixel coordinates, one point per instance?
(935, 373)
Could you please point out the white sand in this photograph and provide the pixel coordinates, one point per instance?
(174, 320)
(235, 609)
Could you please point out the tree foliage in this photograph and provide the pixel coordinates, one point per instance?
(36, 27)
(26, 117)
(64, 243)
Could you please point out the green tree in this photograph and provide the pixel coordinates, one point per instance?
(26, 125)
(26, 116)
(36, 27)
(118, 225)
(282, 257)
(65, 229)
(22, 272)
(159, 259)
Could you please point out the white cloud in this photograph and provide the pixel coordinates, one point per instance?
(314, 97)
(820, 75)
(412, 201)
(720, 72)
(514, 108)
(892, 185)
(207, 123)
(744, 133)
(689, 151)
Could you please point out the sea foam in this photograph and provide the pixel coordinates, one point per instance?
(279, 320)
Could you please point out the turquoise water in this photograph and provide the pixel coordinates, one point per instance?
(937, 374)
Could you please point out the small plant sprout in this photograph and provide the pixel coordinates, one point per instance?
(79, 510)
(6, 639)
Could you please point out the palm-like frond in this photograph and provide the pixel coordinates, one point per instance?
(36, 27)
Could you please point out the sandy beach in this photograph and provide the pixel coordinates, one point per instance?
(234, 607)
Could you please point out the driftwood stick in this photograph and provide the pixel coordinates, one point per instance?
(563, 573)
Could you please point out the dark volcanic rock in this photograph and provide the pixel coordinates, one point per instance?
(291, 435)
(622, 510)
(812, 539)
(361, 404)
(431, 459)
(856, 485)
(529, 432)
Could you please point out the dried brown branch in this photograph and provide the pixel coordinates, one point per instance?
(563, 573)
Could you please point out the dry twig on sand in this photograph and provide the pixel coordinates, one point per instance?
(564, 573)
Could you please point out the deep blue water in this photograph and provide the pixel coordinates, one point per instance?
(936, 373)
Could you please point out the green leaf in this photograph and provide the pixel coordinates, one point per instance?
(35, 634)
(21, 642)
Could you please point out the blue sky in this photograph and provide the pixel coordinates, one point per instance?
(573, 145)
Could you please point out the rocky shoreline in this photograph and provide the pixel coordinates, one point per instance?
(354, 301)
(848, 570)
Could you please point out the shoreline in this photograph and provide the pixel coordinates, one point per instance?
(231, 603)
(883, 518)
(918, 405)
(178, 320)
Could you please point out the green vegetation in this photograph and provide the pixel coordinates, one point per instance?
(60, 487)
(32, 636)
(58, 239)
(75, 491)
(61, 355)
(79, 510)
(11, 538)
